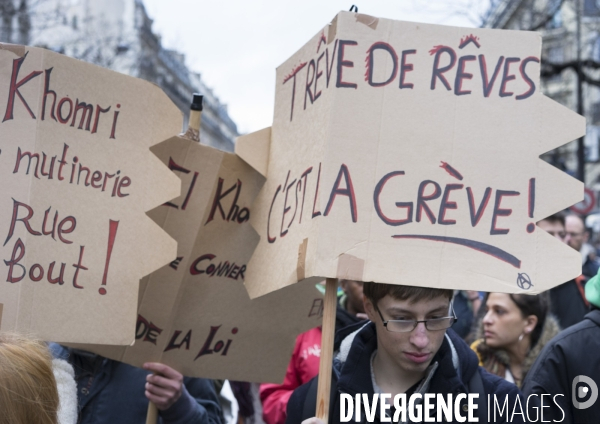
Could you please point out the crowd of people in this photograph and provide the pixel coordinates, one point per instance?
(389, 339)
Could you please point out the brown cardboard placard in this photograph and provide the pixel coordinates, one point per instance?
(408, 153)
(195, 314)
(79, 177)
(255, 150)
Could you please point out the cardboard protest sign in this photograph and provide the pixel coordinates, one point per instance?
(407, 153)
(195, 314)
(79, 177)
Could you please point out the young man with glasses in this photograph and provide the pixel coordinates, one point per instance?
(407, 348)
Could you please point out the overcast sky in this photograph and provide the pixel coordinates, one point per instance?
(237, 44)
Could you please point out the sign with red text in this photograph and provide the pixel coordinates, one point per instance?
(79, 177)
(195, 314)
(408, 153)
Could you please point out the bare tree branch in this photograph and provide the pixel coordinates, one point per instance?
(548, 17)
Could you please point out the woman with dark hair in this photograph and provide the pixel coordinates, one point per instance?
(512, 333)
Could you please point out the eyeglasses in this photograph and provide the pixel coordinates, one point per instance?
(406, 326)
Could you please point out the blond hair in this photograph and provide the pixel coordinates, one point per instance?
(28, 392)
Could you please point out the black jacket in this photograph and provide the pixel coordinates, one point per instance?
(463, 308)
(113, 392)
(354, 376)
(567, 303)
(573, 352)
(343, 318)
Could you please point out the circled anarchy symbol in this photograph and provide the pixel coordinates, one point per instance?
(523, 281)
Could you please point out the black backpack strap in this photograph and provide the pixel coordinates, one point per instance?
(476, 386)
(310, 403)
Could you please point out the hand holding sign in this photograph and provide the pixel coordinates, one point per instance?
(164, 387)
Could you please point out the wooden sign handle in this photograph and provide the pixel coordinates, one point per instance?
(326, 360)
(152, 415)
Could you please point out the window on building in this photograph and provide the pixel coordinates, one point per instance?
(597, 48)
(555, 54)
(595, 113)
(592, 142)
(122, 48)
(554, 8)
(557, 21)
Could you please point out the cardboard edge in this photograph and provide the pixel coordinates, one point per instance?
(368, 20)
(350, 267)
(254, 149)
(332, 30)
(569, 127)
(17, 49)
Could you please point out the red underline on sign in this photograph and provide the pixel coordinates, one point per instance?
(488, 249)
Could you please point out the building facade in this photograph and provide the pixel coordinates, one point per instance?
(117, 34)
(15, 23)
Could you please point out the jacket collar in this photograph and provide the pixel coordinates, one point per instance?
(594, 316)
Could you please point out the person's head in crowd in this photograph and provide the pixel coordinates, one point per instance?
(575, 231)
(354, 296)
(515, 328)
(401, 340)
(514, 321)
(28, 392)
(554, 225)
